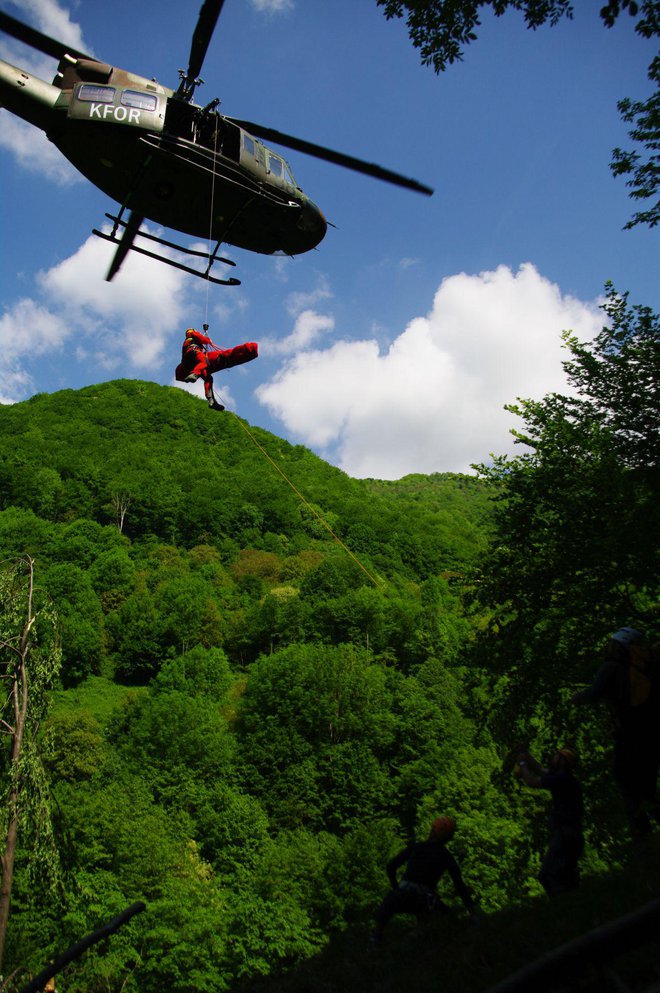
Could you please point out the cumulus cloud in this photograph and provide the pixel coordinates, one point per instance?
(31, 148)
(433, 402)
(53, 19)
(297, 302)
(308, 327)
(222, 391)
(26, 143)
(121, 327)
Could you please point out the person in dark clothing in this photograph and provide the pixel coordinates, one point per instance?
(425, 862)
(560, 867)
(628, 682)
(198, 362)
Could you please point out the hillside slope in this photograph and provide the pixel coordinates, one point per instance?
(185, 473)
(450, 954)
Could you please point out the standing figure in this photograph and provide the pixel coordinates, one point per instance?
(559, 869)
(628, 682)
(197, 362)
(425, 862)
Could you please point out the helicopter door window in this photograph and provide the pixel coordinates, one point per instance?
(275, 165)
(96, 94)
(143, 101)
(248, 145)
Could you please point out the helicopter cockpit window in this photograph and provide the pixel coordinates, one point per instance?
(288, 177)
(96, 94)
(143, 101)
(275, 165)
(248, 145)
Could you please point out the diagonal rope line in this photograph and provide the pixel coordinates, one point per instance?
(307, 503)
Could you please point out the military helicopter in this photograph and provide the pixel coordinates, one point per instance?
(164, 158)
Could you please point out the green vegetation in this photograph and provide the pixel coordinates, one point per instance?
(246, 726)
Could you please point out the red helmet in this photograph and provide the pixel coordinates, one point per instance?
(570, 755)
(443, 828)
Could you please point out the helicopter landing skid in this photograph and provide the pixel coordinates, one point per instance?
(212, 257)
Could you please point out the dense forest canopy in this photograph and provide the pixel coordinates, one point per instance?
(248, 720)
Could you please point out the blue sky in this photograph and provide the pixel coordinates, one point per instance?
(394, 346)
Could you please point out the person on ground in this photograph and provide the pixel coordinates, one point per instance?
(416, 893)
(628, 682)
(560, 867)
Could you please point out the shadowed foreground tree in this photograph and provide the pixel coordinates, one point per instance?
(29, 662)
(577, 518)
(441, 29)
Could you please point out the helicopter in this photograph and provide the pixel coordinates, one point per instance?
(164, 158)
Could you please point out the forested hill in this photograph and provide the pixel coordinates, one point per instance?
(251, 711)
(187, 477)
(237, 716)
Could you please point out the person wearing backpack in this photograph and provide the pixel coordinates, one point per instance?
(628, 682)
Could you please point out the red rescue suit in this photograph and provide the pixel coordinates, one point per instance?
(195, 361)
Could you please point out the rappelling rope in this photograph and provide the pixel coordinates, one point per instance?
(307, 503)
(210, 239)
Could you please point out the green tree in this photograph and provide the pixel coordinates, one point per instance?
(441, 29)
(29, 663)
(577, 524)
(644, 172)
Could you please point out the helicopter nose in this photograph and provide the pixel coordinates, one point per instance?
(312, 224)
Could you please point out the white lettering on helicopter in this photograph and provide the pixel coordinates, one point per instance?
(101, 111)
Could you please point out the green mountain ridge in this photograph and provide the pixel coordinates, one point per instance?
(267, 688)
(188, 474)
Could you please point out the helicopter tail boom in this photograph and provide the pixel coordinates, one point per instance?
(27, 96)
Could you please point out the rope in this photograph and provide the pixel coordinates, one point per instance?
(306, 502)
(215, 152)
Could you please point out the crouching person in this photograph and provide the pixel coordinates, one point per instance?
(425, 863)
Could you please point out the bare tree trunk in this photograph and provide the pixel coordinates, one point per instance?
(121, 502)
(17, 673)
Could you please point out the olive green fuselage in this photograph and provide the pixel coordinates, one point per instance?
(175, 163)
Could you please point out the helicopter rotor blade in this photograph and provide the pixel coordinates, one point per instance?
(124, 247)
(35, 39)
(339, 158)
(206, 22)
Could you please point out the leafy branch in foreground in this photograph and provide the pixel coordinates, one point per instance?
(29, 662)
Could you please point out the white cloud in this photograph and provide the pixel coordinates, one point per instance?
(273, 6)
(434, 400)
(34, 152)
(221, 391)
(308, 327)
(26, 330)
(52, 19)
(142, 305)
(24, 141)
(121, 327)
(297, 302)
